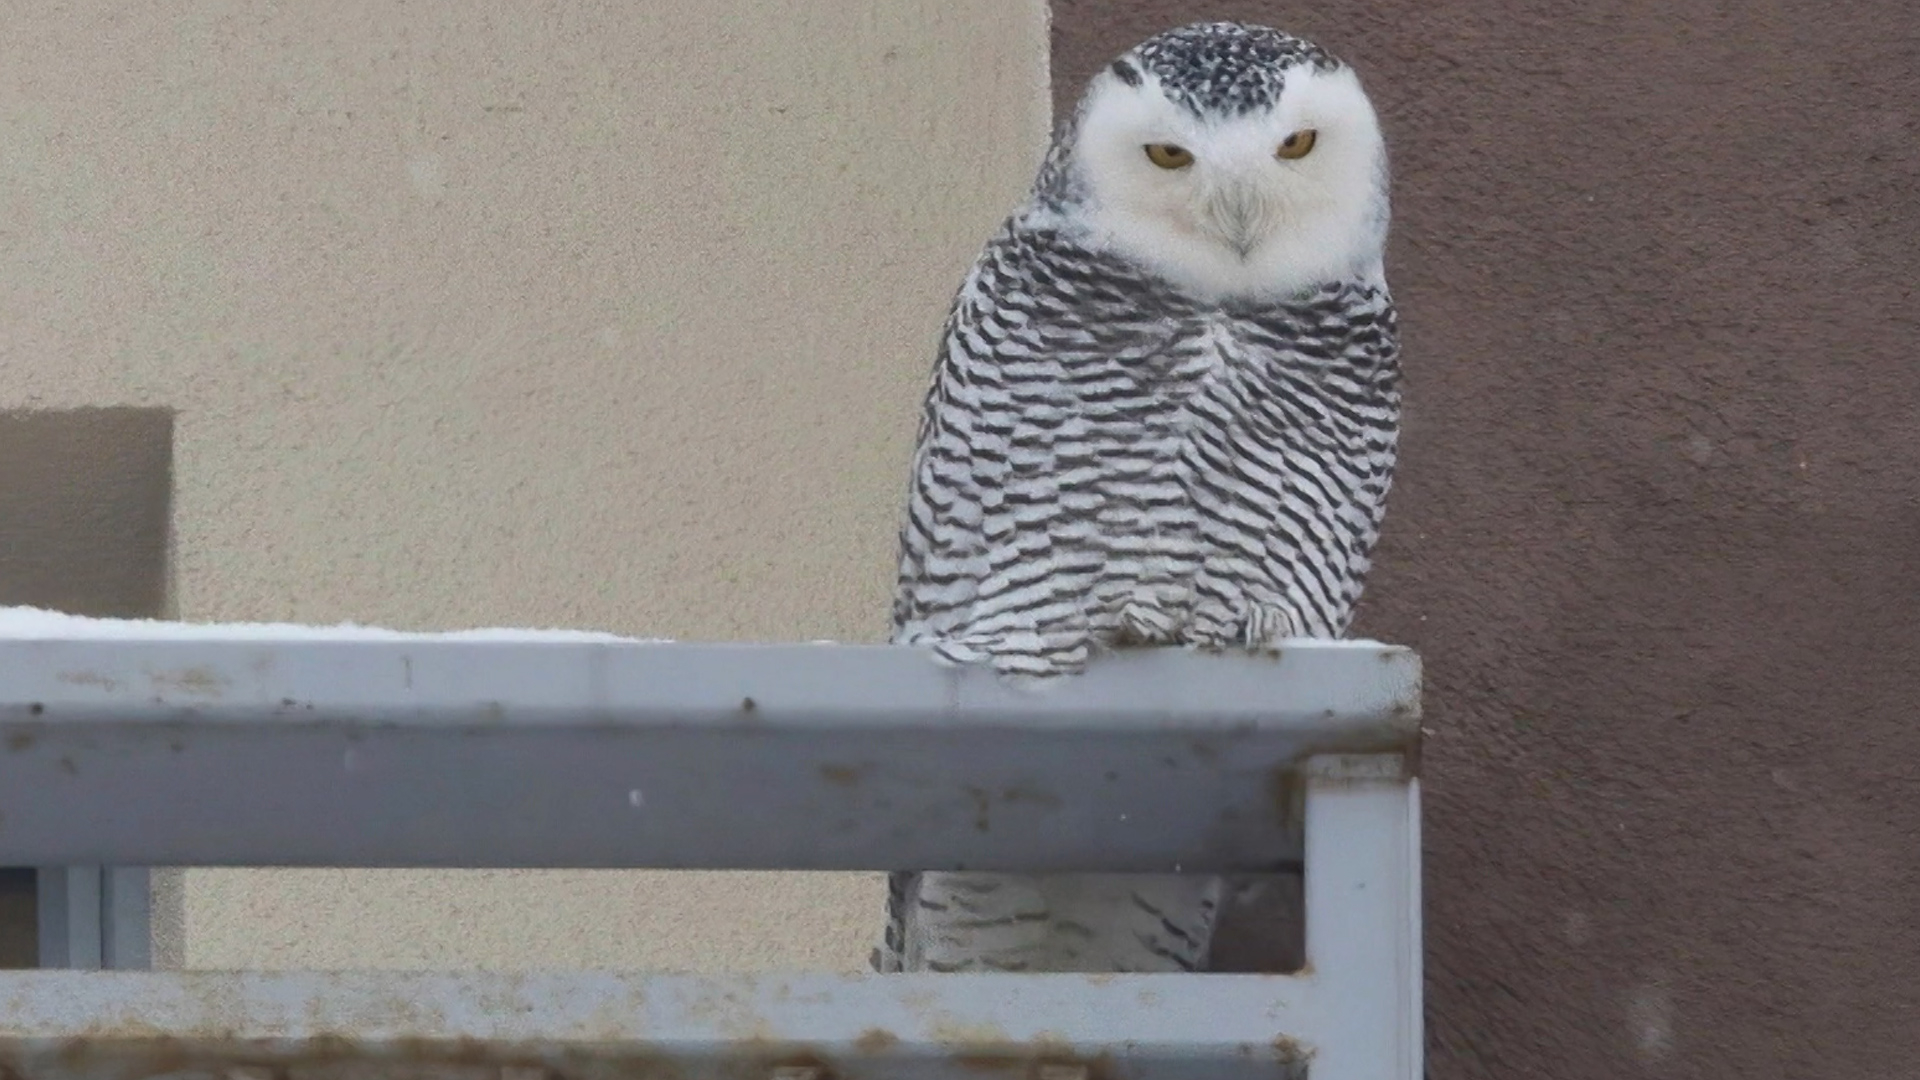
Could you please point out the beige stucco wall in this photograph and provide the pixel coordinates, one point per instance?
(484, 312)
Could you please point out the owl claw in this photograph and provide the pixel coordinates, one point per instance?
(1257, 627)
(1146, 624)
(1266, 626)
(955, 653)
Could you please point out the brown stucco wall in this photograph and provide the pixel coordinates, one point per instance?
(1657, 531)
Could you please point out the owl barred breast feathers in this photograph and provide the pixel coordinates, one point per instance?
(1164, 413)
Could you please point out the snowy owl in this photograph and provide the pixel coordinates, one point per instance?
(1164, 413)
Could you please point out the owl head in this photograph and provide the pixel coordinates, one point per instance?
(1231, 159)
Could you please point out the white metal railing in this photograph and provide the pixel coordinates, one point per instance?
(155, 745)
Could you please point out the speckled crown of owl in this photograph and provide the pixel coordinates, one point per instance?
(1218, 67)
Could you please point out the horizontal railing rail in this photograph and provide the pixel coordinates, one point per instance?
(141, 745)
(582, 754)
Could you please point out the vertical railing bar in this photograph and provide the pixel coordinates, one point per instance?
(126, 923)
(67, 902)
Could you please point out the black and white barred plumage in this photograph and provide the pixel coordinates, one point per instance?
(1164, 413)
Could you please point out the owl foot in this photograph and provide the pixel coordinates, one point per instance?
(953, 653)
(1266, 625)
(1146, 624)
(1256, 627)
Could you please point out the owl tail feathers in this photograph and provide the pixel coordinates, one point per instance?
(1083, 923)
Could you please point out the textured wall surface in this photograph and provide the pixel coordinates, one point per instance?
(541, 313)
(1658, 529)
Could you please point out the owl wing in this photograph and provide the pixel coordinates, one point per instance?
(996, 558)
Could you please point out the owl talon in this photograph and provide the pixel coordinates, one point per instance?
(1267, 625)
(1257, 627)
(954, 653)
(1146, 624)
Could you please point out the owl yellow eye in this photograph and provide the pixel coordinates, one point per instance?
(1169, 156)
(1297, 145)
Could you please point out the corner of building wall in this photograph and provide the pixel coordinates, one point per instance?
(167, 886)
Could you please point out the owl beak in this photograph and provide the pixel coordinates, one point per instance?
(1238, 214)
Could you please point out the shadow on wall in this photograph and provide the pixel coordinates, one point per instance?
(19, 929)
(85, 506)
